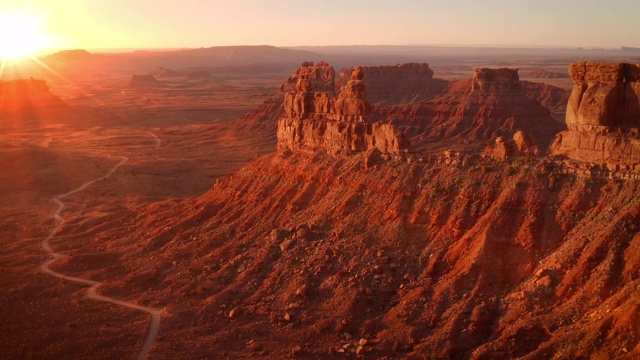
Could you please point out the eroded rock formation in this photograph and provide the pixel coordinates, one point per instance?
(397, 84)
(604, 94)
(320, 77)
(603, 115)
(315, 120)
(520, 145)
(496, 81)
(28, 97)
(471, 114)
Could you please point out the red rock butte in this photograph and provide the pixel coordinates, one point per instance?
(603, 116)
(496, 81)
(396, 84)
(316, 120)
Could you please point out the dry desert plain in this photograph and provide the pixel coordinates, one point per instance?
(154, 150)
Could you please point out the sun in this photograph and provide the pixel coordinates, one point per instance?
(20, 37)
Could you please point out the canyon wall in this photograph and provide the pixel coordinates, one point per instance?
(603, 115)
(316, 120)
(471, 114)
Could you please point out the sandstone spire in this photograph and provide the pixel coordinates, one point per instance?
(316, 120)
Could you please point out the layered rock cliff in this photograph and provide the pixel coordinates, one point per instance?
(419, 260)
(603, 116)
(470, 115)
(397, 90)
(320, 77)
(304, 254)
(315, 120)
(397, 84)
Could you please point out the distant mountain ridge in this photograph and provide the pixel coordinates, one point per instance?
(144, 61)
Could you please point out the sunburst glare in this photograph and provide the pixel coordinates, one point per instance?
(20, 36)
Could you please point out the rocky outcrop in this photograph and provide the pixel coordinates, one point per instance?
(471, 114)
(604, 94)
(339, 137)
(320, 77)
(603, 115)
(520, 145)
(142, 80)
(352, 103)
(28, 98)
(315, 120)
(397, 84)
(495, 81)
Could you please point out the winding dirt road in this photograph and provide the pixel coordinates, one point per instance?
(92, 292)
(158, 140)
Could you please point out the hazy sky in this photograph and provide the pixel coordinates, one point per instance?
(95, 24)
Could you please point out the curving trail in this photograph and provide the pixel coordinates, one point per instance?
(93, 285)
(158, 140)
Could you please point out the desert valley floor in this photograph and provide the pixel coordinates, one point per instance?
(250, 245)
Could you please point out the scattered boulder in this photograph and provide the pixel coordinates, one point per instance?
(520, 145)
(303, 290)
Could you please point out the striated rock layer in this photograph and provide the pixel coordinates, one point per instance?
(408, 96)
(470, 114)
(420, 260)
(603, 115)
(604, 94)
(315, 120)
(398, 84)
(320, 77)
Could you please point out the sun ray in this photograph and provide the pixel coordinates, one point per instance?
(21, 36)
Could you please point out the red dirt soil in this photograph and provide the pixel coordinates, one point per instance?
(478, 261)
(305, 254)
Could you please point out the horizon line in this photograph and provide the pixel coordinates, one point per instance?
(52, 51)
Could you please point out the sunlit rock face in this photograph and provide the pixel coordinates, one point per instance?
(603, 115)
(316, 120)
(495, 81)
(320, 77)
(397, 84)
(28, 98)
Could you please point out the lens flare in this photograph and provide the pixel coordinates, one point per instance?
(20, 37)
